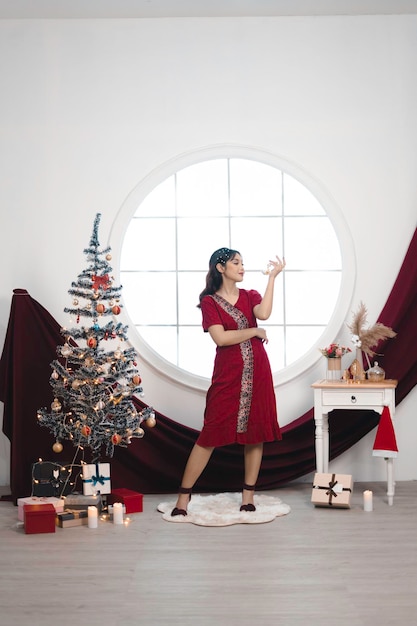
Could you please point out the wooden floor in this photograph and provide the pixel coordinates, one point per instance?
(315, 566)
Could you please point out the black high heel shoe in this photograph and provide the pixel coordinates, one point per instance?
(176, 510)
(248, 507)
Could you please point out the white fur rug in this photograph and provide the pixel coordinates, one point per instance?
(223, 510)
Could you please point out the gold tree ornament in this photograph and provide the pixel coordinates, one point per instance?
(368, 338)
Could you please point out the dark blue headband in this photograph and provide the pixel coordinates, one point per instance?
(222, 255)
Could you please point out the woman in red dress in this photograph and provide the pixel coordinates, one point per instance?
(240, 404)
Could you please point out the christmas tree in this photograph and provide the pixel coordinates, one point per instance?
(93, 385)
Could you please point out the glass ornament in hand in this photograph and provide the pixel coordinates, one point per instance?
(268, 269)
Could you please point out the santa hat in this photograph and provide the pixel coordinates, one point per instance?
(385, 444)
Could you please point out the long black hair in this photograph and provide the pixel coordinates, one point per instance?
(214, 278)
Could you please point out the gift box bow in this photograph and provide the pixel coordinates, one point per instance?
(48, 473)
(97, 479)
(53, 480)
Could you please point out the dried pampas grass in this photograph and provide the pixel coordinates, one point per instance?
(369, 337)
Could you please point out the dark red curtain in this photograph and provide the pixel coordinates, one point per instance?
(400, 313)
(155, 463)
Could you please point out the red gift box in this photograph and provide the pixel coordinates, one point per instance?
(132, 500)
(58, 504)
(39, 518)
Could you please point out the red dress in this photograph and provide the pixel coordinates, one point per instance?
(240, 404)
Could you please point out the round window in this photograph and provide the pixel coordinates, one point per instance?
(175, 219)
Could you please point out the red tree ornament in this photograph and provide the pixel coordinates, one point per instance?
(101, 281)
(86, 431)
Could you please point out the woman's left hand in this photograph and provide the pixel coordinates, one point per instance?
(276, 267)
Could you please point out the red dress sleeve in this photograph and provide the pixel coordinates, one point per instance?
(211, 313)
(254, 297)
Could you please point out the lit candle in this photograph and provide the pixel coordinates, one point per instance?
(367, 501)
(117, 513)
(92, 517)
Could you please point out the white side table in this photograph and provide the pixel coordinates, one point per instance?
(329, 395)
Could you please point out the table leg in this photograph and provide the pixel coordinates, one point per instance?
(390, 481)
(322, 443)
(326, 443)
(319, 443)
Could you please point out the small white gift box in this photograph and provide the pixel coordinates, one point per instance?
(96, 478)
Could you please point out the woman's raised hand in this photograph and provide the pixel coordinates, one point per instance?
(275, 267)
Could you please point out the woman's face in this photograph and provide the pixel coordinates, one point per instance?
(234, 269)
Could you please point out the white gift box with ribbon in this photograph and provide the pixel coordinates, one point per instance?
(96, 478)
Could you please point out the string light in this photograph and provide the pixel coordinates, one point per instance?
(60, 478)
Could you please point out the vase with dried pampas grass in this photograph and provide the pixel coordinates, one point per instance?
(366, 339)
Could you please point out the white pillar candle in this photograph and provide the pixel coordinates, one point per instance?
(367, 501)
(92, 517)
(117, 513)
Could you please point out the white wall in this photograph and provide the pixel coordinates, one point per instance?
(90, 107)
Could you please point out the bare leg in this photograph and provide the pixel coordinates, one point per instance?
(197, 461)
(253, 459)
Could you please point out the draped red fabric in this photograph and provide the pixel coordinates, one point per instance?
(155, 463)
(400, 313)
(30, 345)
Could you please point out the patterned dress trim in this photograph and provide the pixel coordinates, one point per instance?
(246, 383)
